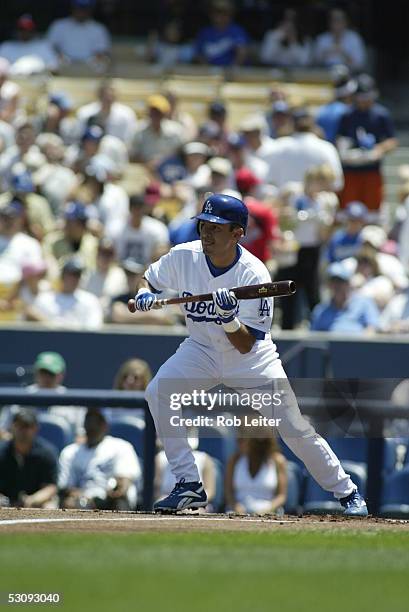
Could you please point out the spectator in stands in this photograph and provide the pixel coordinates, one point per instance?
(25, 151)
(9, 94)
(57, 120)
(119, 308)
(256, 477)
(346, 311)
(211, 134)
(329, 115)
(143, 237)
(280, 120)
(115, 118)
(241, 157)
(74, 239)
(17, 248)
(38, 218)
(70, 307)
(286, 46)
(347, 241)
(167, 48)
(28, 45)
(221, 174)
(49, 373)
(133, 375)
(292, 156)
(28, 467)
(365, 135)
(395, 317)
(33, 282)
(314, 214)
(340, 45)
(107, 201)
(78, 156)
(103, 472)
(165, 480)
(79, 38)
(196, 154)
(223, 43)
(181, 117)
(158, 137)
(374, 239)
(368, 279)
(262, 230)
(108, 279)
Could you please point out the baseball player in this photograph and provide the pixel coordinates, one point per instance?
(229, 342)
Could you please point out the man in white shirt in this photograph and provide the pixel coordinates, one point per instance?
(17, 249)
(79, 38)
(102, 472)
(71, 307)
(28, 45)
(116, 119)
(144, 238)
(293, 155)
(340, 45)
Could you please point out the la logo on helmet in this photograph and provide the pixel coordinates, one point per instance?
(208, 207)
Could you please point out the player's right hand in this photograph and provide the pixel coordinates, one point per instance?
(144, 300)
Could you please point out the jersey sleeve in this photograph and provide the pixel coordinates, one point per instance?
(162, 273)
(257, 314)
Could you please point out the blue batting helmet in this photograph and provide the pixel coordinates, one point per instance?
(220, 208)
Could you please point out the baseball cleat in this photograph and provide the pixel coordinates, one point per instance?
(354, 505)
(184, 495)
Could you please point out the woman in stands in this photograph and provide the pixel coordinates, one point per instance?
(256, 477)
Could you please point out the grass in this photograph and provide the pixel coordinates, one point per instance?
(232, 572)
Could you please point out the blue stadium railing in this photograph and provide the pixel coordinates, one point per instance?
(372, 412)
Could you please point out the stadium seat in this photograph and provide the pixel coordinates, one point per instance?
(395, 495)
(218, 443)
(294, 488)
(55, 429)
(318, 501)
(350, 449)
(131, 429)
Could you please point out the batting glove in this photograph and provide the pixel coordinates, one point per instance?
(226, 305)
(144, 300)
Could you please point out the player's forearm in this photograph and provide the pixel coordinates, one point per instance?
(242, 339)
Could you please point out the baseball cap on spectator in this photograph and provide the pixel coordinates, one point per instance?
(93, 132)
(210, 129)
(152, 193)
(51, 362)
(253, 123)
(26, 22)
(73, 266)
(374, 235)
(159, 103)
(196, 148)
(83, 3)
(21, 181)
(25, 416)
(101, 167)
(339, 271)
(280, 106)
(13, 209)
(75, 211)
(220, 165)
(61, 100)
(132, 267)
(366, 86)
(246, 179)
(236, 141)
(218, 108)
(356, 210)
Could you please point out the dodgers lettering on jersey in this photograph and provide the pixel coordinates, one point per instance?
(185, 269)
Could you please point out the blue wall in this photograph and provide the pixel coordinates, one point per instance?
(93, 358)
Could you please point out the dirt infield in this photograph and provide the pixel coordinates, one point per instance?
(24, 520)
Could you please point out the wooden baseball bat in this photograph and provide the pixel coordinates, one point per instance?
(249, 292)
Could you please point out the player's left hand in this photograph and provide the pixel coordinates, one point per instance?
(226, 304)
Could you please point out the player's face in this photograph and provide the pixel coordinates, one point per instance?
(218, 239)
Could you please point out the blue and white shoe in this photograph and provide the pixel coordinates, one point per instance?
(184, 495)
(354, 505)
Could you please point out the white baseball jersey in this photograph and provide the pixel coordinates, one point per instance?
(186, 270)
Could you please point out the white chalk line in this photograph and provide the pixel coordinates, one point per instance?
(33, 521)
